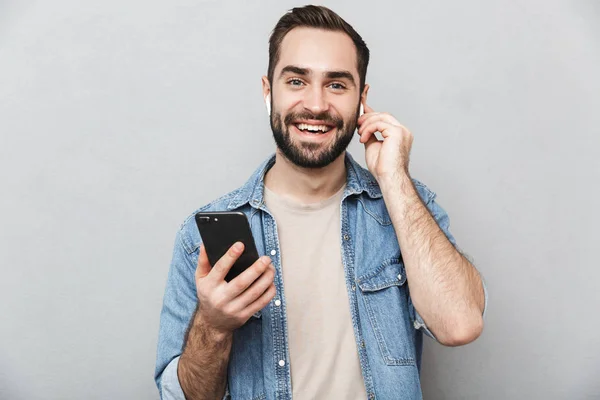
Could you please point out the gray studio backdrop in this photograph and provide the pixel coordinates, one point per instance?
(119, 118)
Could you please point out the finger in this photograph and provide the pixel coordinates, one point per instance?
(364, 117)
(246, 278)
(372, 139)
(203, 267)
(370, 128)
(255, 290)
(386, 129)
(368, 111)
(262, 301)
(384, 117)
(222, 267)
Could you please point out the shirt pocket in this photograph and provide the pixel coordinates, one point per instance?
(385, 296)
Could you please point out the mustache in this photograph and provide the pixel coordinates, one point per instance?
(324, 117)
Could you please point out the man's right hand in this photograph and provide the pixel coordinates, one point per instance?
(225, 306)
(222, 308)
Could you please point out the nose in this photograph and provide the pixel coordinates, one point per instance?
(315, 101)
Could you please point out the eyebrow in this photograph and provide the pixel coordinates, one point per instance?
(328, 74)
(340, 75)
(294, 70)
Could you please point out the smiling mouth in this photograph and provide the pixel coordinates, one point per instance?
(313, 129)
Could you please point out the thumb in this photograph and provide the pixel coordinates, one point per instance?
(203, 267)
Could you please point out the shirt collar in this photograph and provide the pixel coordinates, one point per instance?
(358, 180)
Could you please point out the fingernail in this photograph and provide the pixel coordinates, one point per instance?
(238, 246)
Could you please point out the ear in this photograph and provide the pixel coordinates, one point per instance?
(364, 94)
(266, 89)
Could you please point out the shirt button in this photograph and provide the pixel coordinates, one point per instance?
(346, 237)
(273, 252)
(371, 395)
(399, 277)
(277, 302)
(353, 288)
(281, 363)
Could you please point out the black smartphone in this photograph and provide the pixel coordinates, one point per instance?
(219, 231)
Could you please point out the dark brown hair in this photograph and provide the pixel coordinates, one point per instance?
(316, 17)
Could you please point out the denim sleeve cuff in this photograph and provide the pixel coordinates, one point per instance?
(420, 324)
(170, 387)
(485, 295)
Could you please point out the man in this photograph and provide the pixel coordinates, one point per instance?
(333, 309)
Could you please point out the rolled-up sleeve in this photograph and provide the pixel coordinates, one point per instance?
(443, 221)
(170, 389)
(179, 304)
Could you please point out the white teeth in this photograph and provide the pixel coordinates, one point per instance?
(313, 128)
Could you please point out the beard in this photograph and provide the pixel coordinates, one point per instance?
(310, 154)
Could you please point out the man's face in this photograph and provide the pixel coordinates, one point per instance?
(315, 96)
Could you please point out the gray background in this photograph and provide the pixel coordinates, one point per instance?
(119, 118)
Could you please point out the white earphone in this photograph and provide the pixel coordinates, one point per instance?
(268, 103)
(361, 110)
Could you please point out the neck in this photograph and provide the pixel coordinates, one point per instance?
(306, 185)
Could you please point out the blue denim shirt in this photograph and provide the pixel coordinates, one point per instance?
(387, 328)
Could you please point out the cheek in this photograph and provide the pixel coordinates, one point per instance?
(348, 110)
(351, 119)
(286, 102)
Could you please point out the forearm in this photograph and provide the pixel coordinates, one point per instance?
(445, 288)
(202, 368)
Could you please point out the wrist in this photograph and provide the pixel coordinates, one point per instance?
(203, 337)
(397, 181)
(210, 332)
(399, 195)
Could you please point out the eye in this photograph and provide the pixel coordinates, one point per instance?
(295, 82)
(337, 86)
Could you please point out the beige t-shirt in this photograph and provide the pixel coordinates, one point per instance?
(323, 355)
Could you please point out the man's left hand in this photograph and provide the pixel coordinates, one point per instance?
(389, 157)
